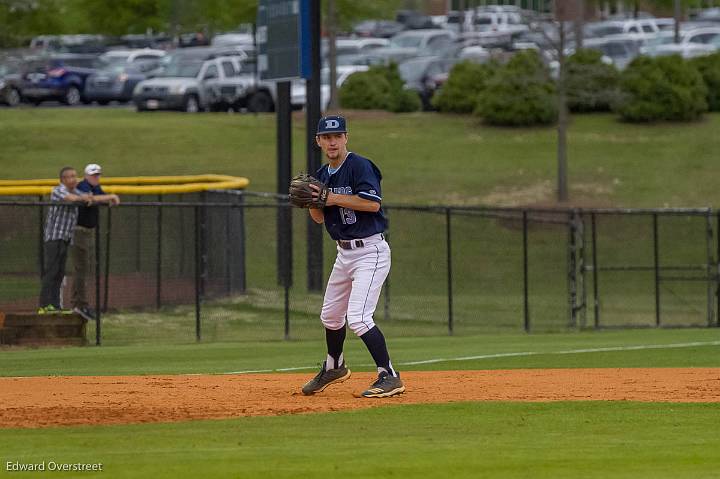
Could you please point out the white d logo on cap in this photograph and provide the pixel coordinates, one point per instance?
(332, 124)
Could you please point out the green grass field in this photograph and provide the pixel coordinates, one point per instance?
(426, 159)
(486, 439)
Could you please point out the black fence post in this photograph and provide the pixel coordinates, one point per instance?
(572, 271)
(106, 286)
(242, 280)
(286, 289)
(228, 251)
(138, 236)
(717, 272)
(656, 263)
(158, 257)
(98, 305)
(596, 288)
(41, 238)
(198, 331)
(526, 303)
(709, 267)
(448, 242)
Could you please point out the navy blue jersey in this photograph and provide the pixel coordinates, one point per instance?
(356, 176)
(88, 215)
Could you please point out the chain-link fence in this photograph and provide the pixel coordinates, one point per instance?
(209, 267)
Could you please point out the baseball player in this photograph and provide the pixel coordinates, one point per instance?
(346, 197)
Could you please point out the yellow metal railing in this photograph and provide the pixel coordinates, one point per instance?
(134, 185)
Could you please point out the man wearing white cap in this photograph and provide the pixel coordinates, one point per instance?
(82, 250)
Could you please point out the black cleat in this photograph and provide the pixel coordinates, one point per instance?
(326, 378)
(384, 386)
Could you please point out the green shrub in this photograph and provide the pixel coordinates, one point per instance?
(460, 93)
(405, 101)
(365, 91)
(590, 84)
(665, 88)
(379, 88)
(521, 93)
(709, 68)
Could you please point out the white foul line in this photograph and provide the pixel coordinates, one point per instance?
(508, 355)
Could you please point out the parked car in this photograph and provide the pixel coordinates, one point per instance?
(499, 22)
(233, 39)
(422, 41)
(695, 36)
(112, 57)
(298, 90)
(685, 50)
(708, 15)
(79, 44)
(414, 20)
(10, 78)
(378, 28)
(351, 51)
(621, 49)
(117, 81)
(199, 79)
(57, 77)
(641, 28)
(423, 74)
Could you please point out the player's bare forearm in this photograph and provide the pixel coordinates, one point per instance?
(317, 215)
(353, 202)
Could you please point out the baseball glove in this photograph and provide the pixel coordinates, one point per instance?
(302, 195)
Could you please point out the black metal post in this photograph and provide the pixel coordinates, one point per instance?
(312, 116)
(596, 289)
(656, 262)
(228, 252)
(287, 311)
(242, 280)
(582, 268)
(158, 258)
(448, 243)
(41, 238)
(98, 305)
(106, 285)
(572, 271)
(526, 301)
(198, 331)
(203, 244)
(709, 267)
(717, 272)
(284, 173)
(138, 242)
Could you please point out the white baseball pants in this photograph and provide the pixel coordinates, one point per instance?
(354, 286)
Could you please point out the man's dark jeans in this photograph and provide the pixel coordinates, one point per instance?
(56, 252)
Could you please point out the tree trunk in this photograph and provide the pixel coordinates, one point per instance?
(331, 26)
(678, 18)
(579, 23)
(562, 187)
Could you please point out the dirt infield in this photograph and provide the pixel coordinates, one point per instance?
(77, 400)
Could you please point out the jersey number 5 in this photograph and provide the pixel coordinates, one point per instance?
(348, 216)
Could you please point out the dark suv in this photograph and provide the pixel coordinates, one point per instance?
(58, 77)
(10, 82)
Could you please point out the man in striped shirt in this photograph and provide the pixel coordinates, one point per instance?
(59, 227)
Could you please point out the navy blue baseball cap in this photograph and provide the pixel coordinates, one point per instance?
(331, 124)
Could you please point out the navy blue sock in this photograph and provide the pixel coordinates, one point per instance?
(375, 342)
(335, 338)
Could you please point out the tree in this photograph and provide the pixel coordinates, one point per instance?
(20, 20)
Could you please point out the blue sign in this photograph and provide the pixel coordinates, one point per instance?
(283, 29)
